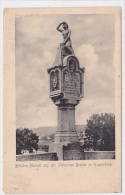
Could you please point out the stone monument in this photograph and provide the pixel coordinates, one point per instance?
(66, 91)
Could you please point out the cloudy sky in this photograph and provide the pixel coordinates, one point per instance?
(36, 42)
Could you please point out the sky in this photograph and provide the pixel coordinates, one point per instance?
(36, 42)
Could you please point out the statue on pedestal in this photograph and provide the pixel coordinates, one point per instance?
(66, 91)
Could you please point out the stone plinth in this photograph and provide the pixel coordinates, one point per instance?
(62, 52)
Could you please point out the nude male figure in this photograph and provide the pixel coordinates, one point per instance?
(66, 33)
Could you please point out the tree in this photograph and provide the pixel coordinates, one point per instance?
(26, 140)
(100, 132)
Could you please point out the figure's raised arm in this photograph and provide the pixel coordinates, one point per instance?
(58, 27)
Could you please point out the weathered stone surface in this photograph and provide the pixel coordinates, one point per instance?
(66, 125)
(66, 90)
(73, 151)
(66, 82)
(73, 155)
(71, 85)
(94, 155)
(54, 80)
(68, 151)
(37, 157)
(58, 148)
(66, 118)
(62, 52)
(58, 59)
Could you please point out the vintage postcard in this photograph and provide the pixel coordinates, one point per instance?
(62, 100)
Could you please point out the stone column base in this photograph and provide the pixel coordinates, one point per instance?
(67, 151)
(66, 136)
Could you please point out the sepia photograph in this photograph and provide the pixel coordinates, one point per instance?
(65, 87)
(62, 100)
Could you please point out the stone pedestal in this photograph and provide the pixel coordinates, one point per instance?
(66, 125)
(68, 151)
(66, 91)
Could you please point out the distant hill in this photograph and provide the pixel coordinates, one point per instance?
(46, 134)
(42, 131)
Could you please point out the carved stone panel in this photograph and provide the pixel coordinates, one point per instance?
(54, 81)
(72, 84)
